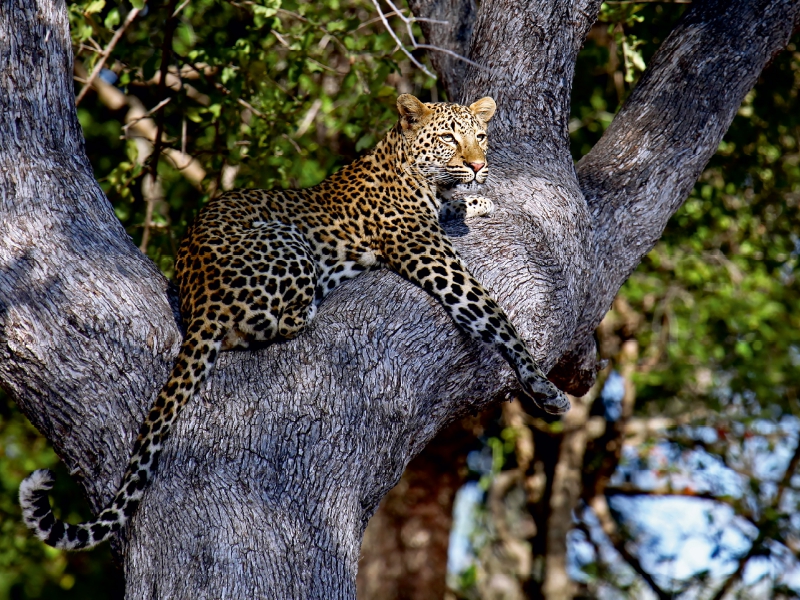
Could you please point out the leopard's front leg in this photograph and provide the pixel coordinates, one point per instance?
(436, 268)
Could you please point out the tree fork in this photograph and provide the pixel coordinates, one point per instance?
(269, 478)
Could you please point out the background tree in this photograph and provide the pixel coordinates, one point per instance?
(538, 100)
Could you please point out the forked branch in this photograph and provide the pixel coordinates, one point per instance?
(649, 158)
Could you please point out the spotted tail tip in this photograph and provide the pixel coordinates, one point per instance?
(34, 502)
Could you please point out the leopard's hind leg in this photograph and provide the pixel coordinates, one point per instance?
(272, 296)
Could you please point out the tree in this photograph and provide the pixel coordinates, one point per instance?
(269, 479)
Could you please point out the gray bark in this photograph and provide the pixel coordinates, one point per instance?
(269, 478)
(648, 160)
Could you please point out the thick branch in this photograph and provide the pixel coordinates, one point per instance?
(74, 291)
(648, 160)
(268, 479)
(528, 52)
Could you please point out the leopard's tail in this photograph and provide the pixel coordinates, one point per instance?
(196, 360)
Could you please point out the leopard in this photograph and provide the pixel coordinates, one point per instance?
(256, 264)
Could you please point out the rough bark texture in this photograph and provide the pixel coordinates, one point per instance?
(87, 329)
(648, 160)
(269, 478)
(454, 36)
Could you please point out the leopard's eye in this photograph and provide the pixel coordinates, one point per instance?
(481, 137)
(450, 139)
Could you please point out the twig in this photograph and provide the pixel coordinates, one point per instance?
(183, 135)
(322, 66)
(133, 122)
(599, 506)
(411, 20)
(757, 544)
(227, 92)
(248, 106)
(114, 99)
(449, 52)
(181, 7)
(741, 564)
(400, 44)
(158, 143)
(335, 39)
(97, 46)
(105, 54)
(296, 146)
(375, 20)
(627, 489)
(308, 118)
(92, 48)
(280, 38)
(152, 191)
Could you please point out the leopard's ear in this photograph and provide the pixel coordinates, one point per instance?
(412, 111)
(483, 108)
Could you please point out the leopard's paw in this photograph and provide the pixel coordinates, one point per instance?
(548, 397)
(466, 207)
(478, 206)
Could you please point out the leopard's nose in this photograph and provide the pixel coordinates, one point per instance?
(476, 166)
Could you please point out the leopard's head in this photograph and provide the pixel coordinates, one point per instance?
(446, 143)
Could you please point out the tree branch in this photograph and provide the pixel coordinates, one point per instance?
(455, 36)
(268, 479)
(139, 123)
(599, 506)
(399, 42)
(565, 496)
(153, 186)
(87, 329)
(105, 54)
(648, 160)
(757, 546)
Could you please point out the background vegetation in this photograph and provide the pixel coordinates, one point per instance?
(195, 97)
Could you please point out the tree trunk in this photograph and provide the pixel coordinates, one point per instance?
(268, 480)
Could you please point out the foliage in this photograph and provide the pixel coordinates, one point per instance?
(714, 308)
(262, 94)
(28, 568)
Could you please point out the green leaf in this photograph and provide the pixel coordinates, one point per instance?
(95, 6)
(112, 19)
(265, 10)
